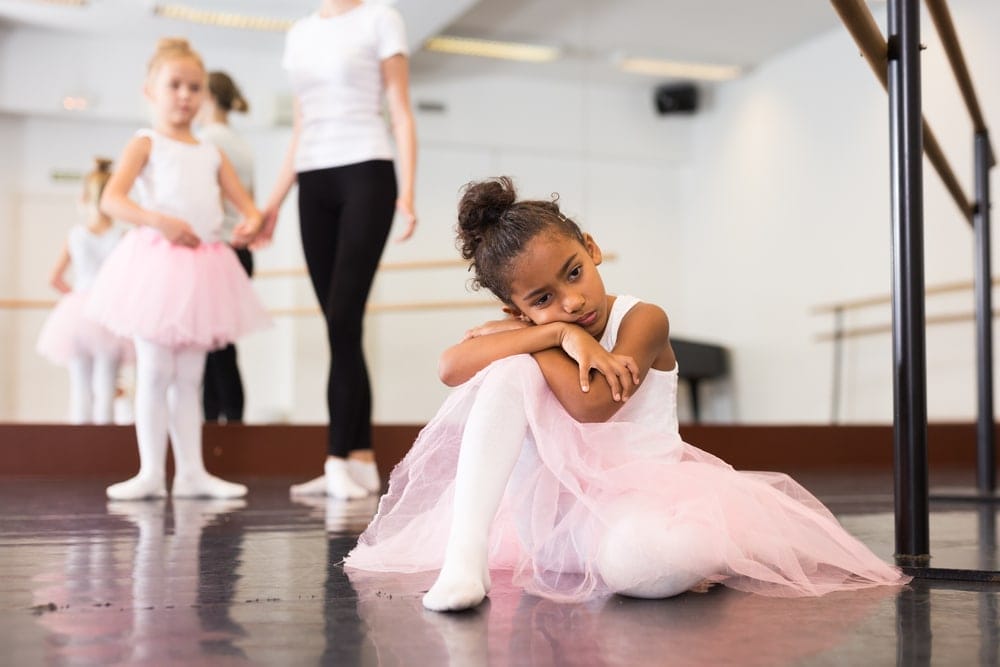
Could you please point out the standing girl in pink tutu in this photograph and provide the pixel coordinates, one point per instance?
(558, 457)
(172, 284)
(91, 353)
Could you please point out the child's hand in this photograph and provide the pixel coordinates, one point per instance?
(621, 372)
(496, 326)
(248, 230)
(269, 219)
(177, 231)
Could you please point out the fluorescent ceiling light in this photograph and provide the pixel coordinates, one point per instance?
(487, 48)
(222, 19)
(680, 70)
(74, 3)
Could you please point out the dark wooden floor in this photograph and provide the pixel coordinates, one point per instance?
(87, 581)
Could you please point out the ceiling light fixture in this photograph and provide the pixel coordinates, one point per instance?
(222, 19)
(679, 70)
(487, 48)
(72, 3)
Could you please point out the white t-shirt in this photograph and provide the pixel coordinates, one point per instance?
(240, 155)
(335, 68)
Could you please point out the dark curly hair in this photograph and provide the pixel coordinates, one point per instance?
(493, 228)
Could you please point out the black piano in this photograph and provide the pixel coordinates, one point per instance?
(699, 361)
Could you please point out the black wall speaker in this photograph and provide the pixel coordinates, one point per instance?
(679, 98)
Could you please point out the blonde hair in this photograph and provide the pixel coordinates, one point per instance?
(96, 179)
(172, 48)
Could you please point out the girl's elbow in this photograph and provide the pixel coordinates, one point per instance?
(447, 372)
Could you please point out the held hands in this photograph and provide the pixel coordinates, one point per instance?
(268, 221)
(248, 230)
(177, 231)
(620, 371)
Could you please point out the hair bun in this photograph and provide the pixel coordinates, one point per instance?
(173, 44)
(102, 165)
(482, 205)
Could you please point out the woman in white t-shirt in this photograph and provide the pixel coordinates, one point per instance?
(343, 61)
(222, 387)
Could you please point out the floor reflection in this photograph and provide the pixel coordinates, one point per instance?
(209, 582)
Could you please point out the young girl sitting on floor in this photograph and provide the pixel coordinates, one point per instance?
(579, 484)
(172, 284)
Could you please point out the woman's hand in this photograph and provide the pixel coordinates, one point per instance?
(248, 230)
(177, 231)
(268, 221)
(496, 326)
(404, 206)
(620, 372)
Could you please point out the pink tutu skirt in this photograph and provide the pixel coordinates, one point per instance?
(68, 333)
(174, 295)
(758, 532)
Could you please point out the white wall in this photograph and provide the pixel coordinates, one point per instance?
(792, 185)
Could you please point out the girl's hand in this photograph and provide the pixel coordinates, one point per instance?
(177, 231)
(268, 221)
(496, 326)
(60, 285)
(620, 372)
(404, 205)
(248, 230)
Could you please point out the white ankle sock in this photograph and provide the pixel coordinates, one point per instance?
(338, 481)
(365, 473)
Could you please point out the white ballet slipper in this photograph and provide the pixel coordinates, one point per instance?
(204, 485)
(138, 488)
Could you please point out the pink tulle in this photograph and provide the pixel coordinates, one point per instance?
(68, 332)
(174, 295)
(761, 532)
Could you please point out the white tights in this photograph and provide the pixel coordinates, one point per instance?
(491, 445)
(168, 401)
(92, 388)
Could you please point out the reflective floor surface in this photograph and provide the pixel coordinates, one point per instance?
(86, 581)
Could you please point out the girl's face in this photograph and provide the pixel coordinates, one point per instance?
(176, 90)
(556, 280)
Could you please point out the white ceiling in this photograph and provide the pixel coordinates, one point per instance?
(592, 32)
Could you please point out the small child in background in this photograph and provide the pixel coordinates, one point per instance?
(90, 352)
(559, 456)
(173, 284)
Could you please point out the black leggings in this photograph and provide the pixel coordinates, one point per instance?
(222, 388)
(345, 214)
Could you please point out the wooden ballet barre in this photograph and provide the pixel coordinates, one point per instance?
(865, 302)
(938, 9)
(393, 307)
(858, 20)
(410, 265)
(873, 329)
(26, 304)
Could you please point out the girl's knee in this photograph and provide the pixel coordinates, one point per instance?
(640, 556)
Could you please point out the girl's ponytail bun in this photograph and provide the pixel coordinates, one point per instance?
(480, 210)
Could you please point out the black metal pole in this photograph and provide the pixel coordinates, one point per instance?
(985, 452)
(908, 348)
